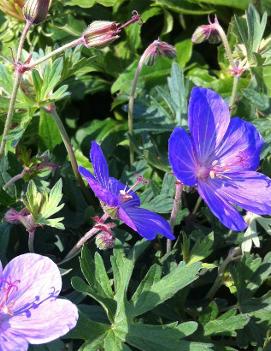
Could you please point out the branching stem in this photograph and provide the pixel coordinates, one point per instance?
(16, 85)
(77, 247)
(234, 254)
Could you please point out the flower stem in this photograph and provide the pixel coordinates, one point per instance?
(15, 179)
(233, 255)
(31, 235)
(175, 210)
(131, 110)
(66, 140)
(16, 85)
(225, 43)
(234, 92)
(69, 45)
(77, 247)
(195, 210)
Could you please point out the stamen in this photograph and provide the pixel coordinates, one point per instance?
(8, 287)
(125, 193)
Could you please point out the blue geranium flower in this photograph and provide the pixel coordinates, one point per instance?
(120, 201)
(220, 157)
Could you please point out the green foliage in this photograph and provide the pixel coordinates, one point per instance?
(137, 297)
(43, 205)
(121, 311)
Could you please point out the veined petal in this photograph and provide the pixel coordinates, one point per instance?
(241, 146)
(99, 164)
(208, 120)
(102, 193)
(220, 207)
(148, 224)
(47, 322)
(181, 156)
(11, 341)
(115, 186)
(249, 190)
(37, 279)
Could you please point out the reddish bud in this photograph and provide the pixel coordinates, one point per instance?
(102, 33)
(35, 11)
(155, 49)
(105, 241)
(207, 32)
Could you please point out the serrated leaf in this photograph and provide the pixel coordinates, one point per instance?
(226, 326)
(202, 248)
(166, 287)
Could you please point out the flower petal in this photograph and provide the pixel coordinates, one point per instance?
(115, 186)
(37, 279)
(241, 146)
(148, 224)
(99, 164)
(11, 341)
(249, 190)
(181, 156)
(49, 321)
(208, 121)
(220, 207)
(102, 193)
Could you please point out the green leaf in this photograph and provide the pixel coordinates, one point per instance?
(202, 248)
(163, 289)
(160, 337)
(48, 131)
(184, 52)
(178, 91)
(87, 329)
(226, 325)
(242, 4)
(184, 7)
(99, 287)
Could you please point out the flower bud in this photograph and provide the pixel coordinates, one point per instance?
(105, 241)
(100, 33)
(35, 11)
(12, 216)
(155, 49)
(207, 32)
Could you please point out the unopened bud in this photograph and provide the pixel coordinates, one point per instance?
(207, 32)
(105, 241)
(12, 216)
(100, 33)
(35, 11)
(155, 49)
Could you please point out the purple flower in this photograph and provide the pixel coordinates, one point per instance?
(29, 309)
(220, 157)
(120, 201)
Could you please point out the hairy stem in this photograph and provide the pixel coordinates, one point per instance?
(234, 92)
(31, 235)
(233, 255)
(131, 110)
(69, 45)
(195, 210)
(226, 44)
(175, 210)
(68, 146)
(77, 247)
(15, 179)
(16, 85)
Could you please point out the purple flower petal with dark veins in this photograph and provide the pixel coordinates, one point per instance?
(220, 157)
(119, 197)
(30, 311)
